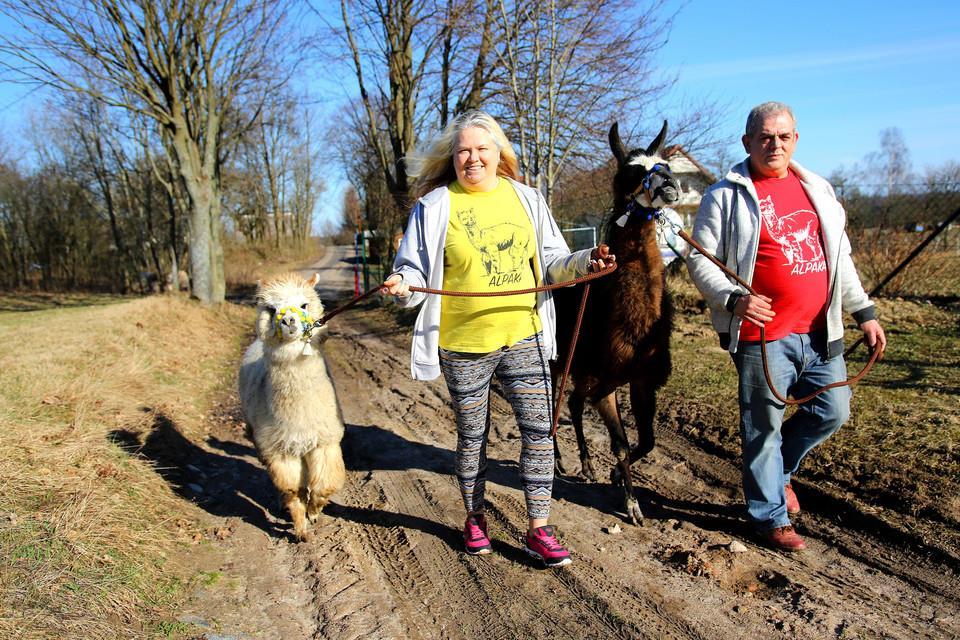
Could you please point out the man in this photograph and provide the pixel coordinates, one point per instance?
(780, 228)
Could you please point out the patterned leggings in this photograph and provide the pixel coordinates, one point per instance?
(524, 374)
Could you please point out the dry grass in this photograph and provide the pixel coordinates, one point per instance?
(934, 272)
(85, 527)
(247, 263)
(39, 300)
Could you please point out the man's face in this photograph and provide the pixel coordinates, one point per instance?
(772, 145)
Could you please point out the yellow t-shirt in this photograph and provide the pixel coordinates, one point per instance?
(490, 246)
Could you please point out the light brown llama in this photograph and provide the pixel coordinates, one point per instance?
(625, 335)
(289, 402)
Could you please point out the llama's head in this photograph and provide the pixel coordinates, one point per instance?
(642, 174)
(287, 305)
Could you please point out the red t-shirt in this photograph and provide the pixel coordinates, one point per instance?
(791, 268)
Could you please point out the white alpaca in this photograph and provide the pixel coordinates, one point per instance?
(289, 402)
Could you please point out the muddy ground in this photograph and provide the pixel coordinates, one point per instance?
(386, 560)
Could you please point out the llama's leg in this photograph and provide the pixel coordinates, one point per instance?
(610, 413)
(576, 403)
(286, 472)
(558, 466)
(325, 475)
(643, 400)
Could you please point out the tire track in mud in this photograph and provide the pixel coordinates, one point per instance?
(846, 556)
(588, 591)
(879, 547)
(403, 516)
(570, 609)
(347, 598)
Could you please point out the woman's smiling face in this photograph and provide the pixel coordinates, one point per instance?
(475, 159)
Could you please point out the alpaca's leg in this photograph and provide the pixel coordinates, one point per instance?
(575, 404)
(287, 475)
(610, 413)
(325, 475)
(643, 400)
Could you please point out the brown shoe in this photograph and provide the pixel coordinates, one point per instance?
(793, 505)
(784, 539)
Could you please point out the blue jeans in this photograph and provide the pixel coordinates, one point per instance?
(771, 447)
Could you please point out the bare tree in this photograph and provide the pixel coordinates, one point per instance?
(944, 178)
(181, 63)
(890, 167)
(273, 176)
(571, 68)
(89, 122)
(415, 64)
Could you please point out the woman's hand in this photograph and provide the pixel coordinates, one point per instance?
(601, 258)
(395, 286)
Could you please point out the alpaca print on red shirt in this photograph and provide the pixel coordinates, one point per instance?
(791, 268)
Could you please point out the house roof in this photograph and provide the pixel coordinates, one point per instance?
(687, 163)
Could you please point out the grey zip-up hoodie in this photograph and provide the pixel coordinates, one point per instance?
(419, 262)
(728, 226)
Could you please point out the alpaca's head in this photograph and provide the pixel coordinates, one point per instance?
(287, 305)
(643, 173)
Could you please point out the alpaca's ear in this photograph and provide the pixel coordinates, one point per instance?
(616, 144)
(314, 279)
(657, 144)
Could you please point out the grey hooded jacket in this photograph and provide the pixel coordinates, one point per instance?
(728, 226)
(420, 262)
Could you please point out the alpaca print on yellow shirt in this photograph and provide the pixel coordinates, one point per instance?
(490, 246)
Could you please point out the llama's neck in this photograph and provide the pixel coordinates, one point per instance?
(639, 275)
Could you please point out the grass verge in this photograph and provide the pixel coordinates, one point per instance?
(86, 528)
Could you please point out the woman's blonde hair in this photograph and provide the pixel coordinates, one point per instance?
(433, 167)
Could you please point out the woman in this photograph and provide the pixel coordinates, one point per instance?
(476, 228)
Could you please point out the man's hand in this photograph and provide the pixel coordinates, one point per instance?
(754, 309)
(874, 336)
(601, 258)
(395, 286)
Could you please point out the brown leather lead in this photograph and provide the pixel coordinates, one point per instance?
(763, 341)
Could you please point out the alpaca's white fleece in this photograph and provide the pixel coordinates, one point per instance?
(285, 390)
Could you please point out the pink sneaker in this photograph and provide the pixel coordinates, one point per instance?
(543, 545)
(475, 535)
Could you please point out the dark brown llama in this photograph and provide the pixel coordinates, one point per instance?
(625, 334)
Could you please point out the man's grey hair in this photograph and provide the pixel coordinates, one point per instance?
(762, 111)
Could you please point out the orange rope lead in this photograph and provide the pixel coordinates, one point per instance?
(488, 294)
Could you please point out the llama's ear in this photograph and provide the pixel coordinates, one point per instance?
(314, 279)
(616, 145)
(657, 144)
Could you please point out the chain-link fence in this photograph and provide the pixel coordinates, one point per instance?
(885, 229)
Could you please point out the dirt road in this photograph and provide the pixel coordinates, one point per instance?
(387, 561)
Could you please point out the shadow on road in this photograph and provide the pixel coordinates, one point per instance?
(372, 448)
(224, 482)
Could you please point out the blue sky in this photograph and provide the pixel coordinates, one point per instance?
(848, 68)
